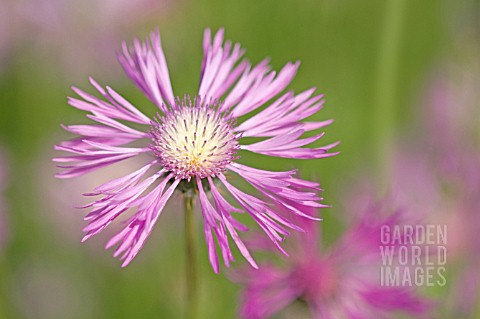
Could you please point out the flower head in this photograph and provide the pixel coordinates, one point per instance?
(193, 142)
(341, 282)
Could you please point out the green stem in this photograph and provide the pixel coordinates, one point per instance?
(191, 262)
(385, 96)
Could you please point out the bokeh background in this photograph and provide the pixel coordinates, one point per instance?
(385, 68)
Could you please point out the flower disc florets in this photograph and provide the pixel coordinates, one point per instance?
(194, 139)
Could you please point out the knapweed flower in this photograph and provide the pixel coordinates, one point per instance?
(193, 142)
(339, 282)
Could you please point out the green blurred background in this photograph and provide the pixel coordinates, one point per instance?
(372, 59)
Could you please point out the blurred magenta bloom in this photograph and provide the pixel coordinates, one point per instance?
(340, 282)
(79, 34)
(454, 159)
(5, 35)
(452, 116)
(436, 176)
(192, 142)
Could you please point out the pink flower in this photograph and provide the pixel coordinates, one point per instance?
(193, 142)
(340, 282)
(437, 178)
(451, 116)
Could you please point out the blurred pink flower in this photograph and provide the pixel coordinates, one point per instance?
(77, 34)
(340, 282)
(437, 176)
(452, 117)
(452, 120)
(5, 35)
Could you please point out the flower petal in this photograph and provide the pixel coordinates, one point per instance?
(145, 64)
(218, 66)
